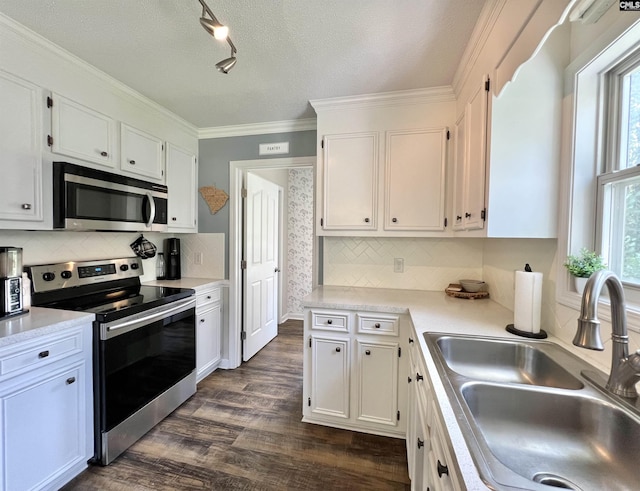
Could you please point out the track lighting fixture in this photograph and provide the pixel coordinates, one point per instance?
(221, 33)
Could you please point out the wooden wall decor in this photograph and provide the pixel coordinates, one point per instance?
(214, 197)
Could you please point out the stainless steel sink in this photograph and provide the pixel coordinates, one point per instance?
(506, 361)
(532, 420)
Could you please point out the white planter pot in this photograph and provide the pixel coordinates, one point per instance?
(579, 284)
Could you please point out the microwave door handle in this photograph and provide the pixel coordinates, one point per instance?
(152, 215)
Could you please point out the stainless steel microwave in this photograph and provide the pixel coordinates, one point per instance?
(89, 199)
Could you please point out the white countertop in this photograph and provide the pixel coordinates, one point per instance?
(195, 283)
(39, 322)
(430, 312)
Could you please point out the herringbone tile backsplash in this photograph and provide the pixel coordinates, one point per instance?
(429, 264)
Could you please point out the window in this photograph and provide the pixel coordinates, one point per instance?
(619, 182)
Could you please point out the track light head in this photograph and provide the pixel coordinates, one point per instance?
(214, 28)
(227, 64)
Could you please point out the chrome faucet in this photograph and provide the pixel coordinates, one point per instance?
(625, 369)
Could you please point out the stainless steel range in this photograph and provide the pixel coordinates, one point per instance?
(144, 343)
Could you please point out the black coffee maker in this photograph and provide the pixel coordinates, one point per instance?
(172, 258)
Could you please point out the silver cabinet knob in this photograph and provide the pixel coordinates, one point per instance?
(132, 162)
(394, 220)
(366, 220)
(104, 154)
(26, 206)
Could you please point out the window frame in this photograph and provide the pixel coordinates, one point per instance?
(584, 154)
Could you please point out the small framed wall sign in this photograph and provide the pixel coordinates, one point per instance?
(273, 148)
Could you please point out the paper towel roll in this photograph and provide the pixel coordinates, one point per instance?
(528, 301)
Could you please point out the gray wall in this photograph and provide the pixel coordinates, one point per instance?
(215, 155)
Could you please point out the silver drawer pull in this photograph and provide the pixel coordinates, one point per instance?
(71, 380)
(43, 354)
(329, 321)
(377, 325)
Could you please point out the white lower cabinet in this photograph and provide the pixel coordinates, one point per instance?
(208, 330)
(431, 466)
(330, 377)
(46, 410)
(352, 374)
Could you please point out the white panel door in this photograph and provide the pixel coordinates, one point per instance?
(476, 153)
(20, 149)
(81, 132)
(378, 382)
(182, 179)
(261, 247)
(415, 179)
(350, 181)
(330, 376)
(140, 153)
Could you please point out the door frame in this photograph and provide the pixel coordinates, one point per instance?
(237, 168)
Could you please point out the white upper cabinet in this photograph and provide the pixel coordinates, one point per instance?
(470, 163)
(81, 132)
(182, 178)
(382, 163)
(415, 180)
(350, 181)
(20, 152)
(141, 153)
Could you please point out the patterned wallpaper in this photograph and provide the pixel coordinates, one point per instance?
(300, 239)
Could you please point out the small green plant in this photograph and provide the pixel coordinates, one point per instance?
(585, 263)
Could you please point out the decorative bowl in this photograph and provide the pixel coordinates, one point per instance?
(472, 286)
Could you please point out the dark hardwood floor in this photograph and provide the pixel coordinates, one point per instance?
(242, 430)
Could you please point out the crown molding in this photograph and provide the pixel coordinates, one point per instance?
(288, 126)
(41, 43)
(488, 17)
(409, 97)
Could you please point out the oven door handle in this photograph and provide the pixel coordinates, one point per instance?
(152, 206)
(115, 328)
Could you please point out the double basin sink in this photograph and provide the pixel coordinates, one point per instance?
(533, 419)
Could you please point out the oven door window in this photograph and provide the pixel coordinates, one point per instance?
(141, 364)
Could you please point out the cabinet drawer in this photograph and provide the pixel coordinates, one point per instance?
(386, 325)
(207, 298)
(330, 321)
(40, 354)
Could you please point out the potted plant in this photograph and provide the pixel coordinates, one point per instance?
(583, 265)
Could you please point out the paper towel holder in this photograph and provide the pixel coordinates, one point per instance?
(526, 334)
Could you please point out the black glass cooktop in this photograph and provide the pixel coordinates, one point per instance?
(116, 303)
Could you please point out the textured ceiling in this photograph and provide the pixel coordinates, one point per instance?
(289, 51)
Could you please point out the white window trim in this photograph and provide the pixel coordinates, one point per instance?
(582, 159)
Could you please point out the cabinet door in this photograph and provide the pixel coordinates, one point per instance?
(140, 153)
(378, 382)
(415, 180)
(81, 132)
(460, 159)
(350, 181)
(20, 150)
(330, 376)
(182, 178)
(476, 154)
(207, 341)
(43, 427)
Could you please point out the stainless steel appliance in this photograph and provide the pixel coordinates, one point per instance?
(144, 343)
(172, 251)
(89, 199)
(11, 281)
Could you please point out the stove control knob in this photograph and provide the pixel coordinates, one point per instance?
(124, 267)
(48, 276)
(134, 265)
(66, 274)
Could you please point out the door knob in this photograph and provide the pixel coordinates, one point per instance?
(277, 270)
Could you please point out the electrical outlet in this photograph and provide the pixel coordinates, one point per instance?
(398, 265)
(197, 258)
